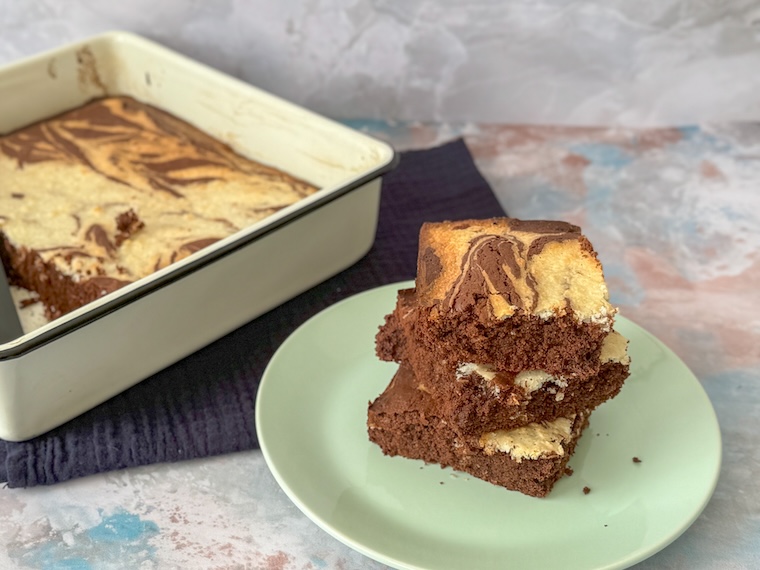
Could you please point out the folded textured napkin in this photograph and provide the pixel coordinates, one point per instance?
(204, 404)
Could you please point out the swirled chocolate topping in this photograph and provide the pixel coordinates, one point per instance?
(503, 266)
(119, 189)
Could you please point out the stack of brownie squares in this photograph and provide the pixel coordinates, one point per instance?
(505, 346)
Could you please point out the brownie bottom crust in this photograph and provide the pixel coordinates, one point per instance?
(405, 421)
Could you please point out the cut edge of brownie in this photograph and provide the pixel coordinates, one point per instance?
(522, 342)
(58, 293)
(472, 406)
(559, 346)
(405, 421)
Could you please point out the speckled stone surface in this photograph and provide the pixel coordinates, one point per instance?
(674, 214)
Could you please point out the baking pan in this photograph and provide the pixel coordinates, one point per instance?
(62, 368)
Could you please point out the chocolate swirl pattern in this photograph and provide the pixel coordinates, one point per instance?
(139, 146)
(116, 189)
(511, 266)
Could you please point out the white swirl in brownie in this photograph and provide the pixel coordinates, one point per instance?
(532, 441)
(110, 192)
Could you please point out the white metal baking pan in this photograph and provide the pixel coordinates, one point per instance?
(65, 367)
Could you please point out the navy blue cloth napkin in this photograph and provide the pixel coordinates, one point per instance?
(204, 404)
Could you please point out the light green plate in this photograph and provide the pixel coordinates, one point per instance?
(311, 414)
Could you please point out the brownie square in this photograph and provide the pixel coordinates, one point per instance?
(523, 295)
(406, 421)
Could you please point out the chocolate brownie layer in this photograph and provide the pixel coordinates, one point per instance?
(520, 294)
(406, 421)
(394, 336)
(560, 345)
(110, 192)
(474, 398)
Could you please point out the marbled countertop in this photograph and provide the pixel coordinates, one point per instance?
(599, 62)
(675, 217)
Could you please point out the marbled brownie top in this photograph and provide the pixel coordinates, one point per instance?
(541, 268)
(117, 189)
